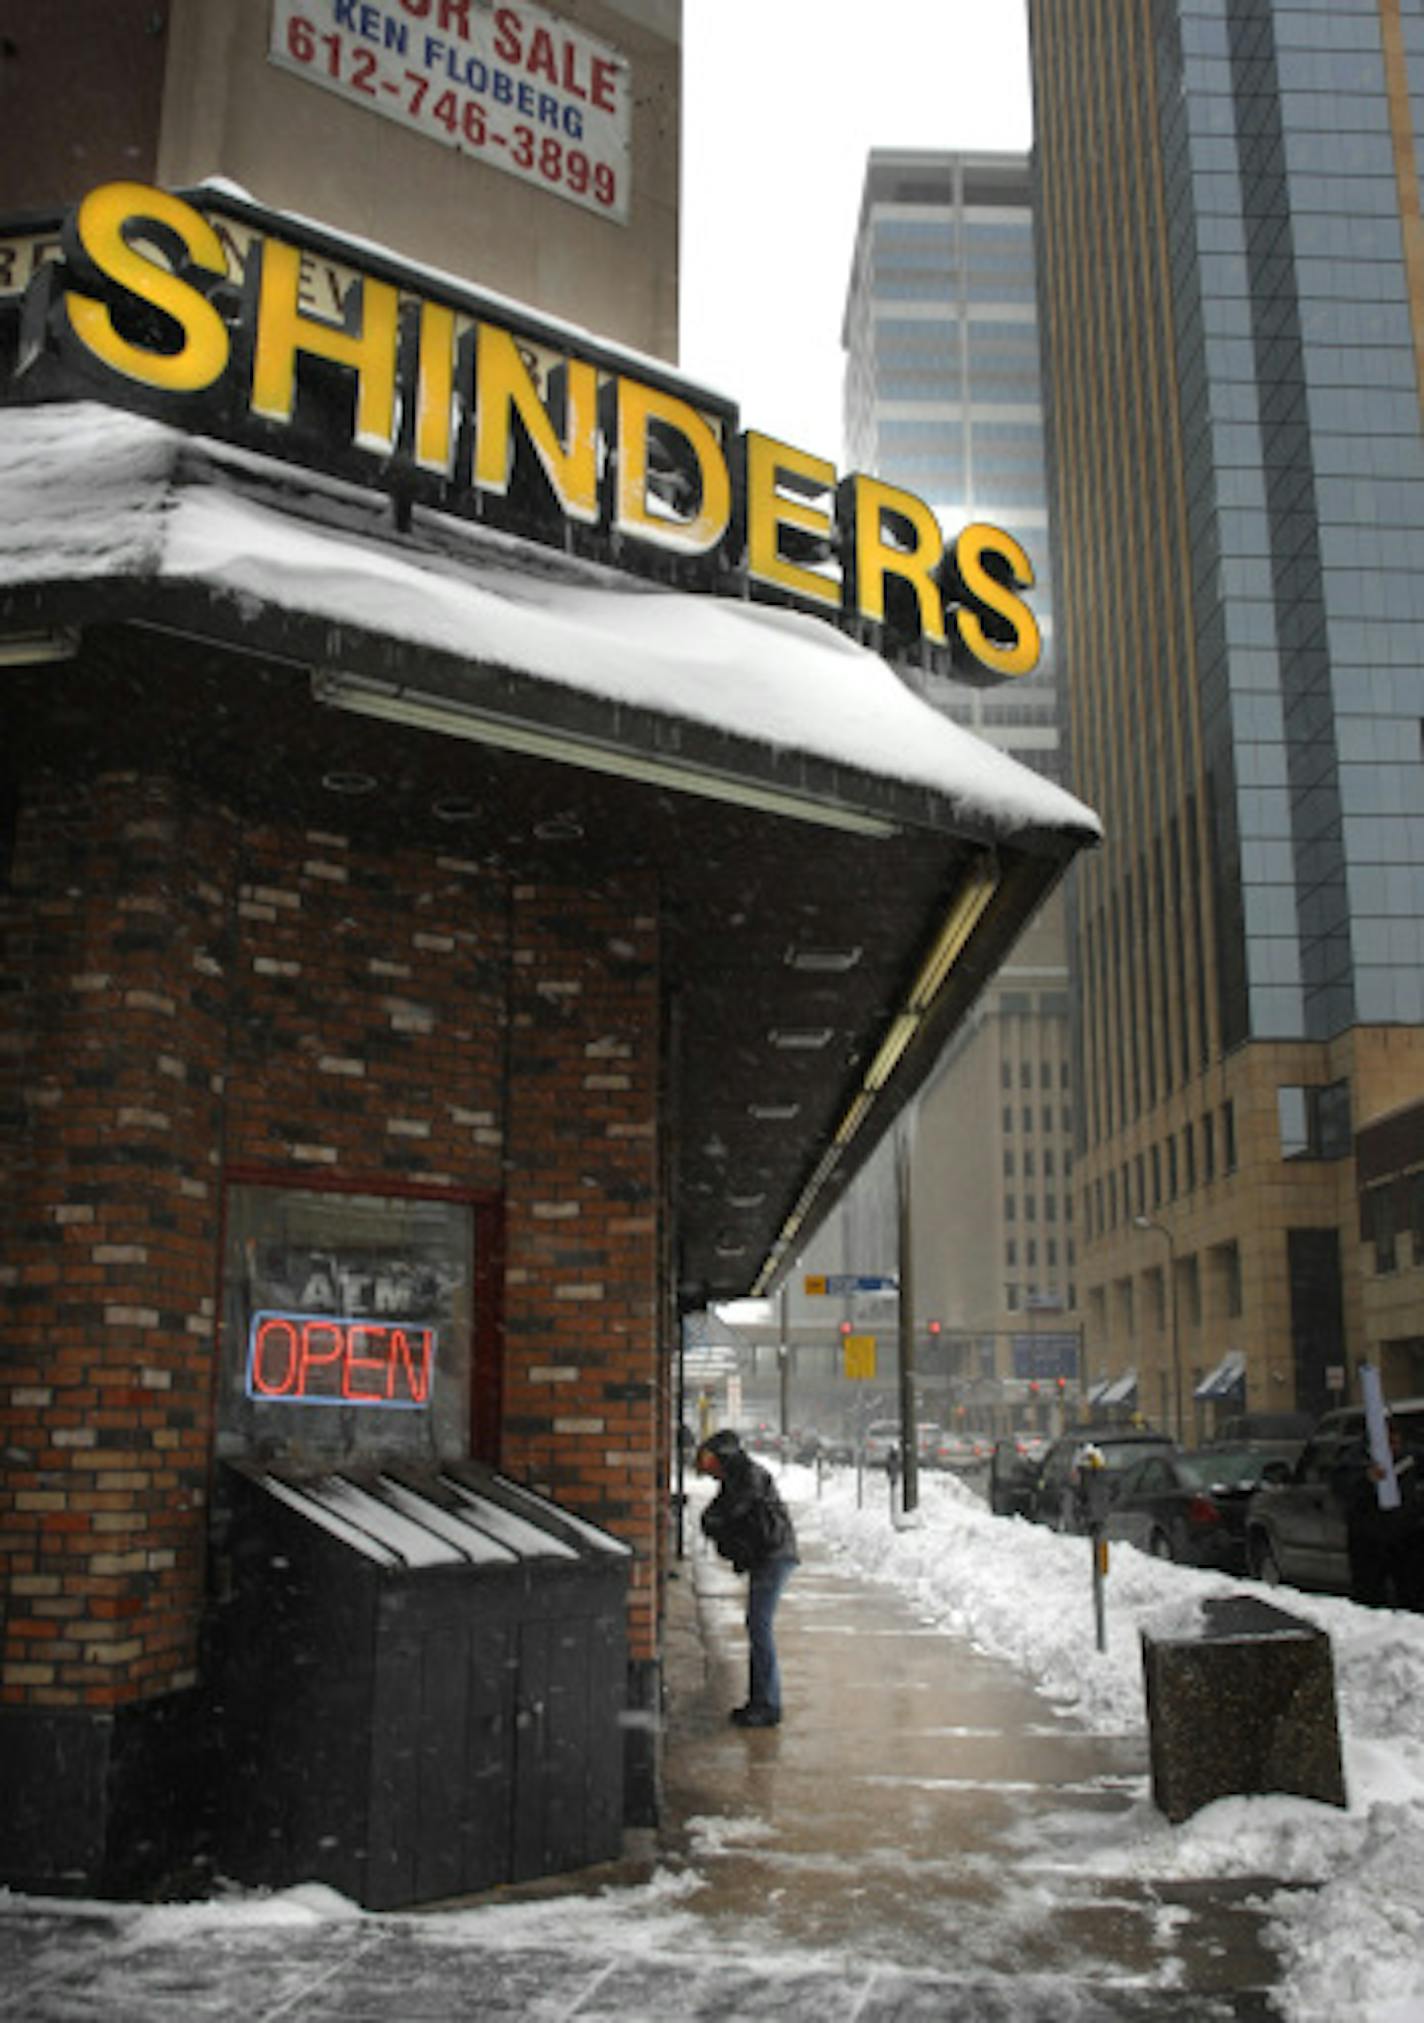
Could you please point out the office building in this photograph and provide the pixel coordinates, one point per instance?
(1232, 305)
(942, 395)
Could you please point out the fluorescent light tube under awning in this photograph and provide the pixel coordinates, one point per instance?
(393, 704)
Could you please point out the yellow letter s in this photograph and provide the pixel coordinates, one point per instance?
(127, 244)
(994, 630)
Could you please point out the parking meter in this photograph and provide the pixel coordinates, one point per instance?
(1093, 1494)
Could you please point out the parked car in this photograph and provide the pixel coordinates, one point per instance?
(930, 1440)
(1295, 1526)
(1054, 1498)
(1189, 1507)
(880, 1436)
(961, 1452)
(1290, 1429)
(1014, 1462)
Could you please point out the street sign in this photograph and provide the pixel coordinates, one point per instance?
(840, 1285)
(859, 1353)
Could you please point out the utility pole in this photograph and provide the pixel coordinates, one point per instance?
(909, 1431)
(783, 1364)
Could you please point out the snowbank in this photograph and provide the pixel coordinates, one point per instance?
(1356, 1943)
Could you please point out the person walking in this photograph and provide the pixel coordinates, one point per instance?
(750, 1526)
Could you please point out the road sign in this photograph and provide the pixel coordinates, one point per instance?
(840, 1285)
(859, 1352)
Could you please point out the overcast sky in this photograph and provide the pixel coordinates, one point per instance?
(782, 102)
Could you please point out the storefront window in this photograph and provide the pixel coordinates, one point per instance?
(347, 1327)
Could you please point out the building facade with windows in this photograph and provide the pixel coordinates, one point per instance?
(1232, 293)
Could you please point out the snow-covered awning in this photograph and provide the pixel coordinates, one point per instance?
(1226, 1380)
(841, 868)
(94, 495)
(1098, 1391)
(1121, 1391)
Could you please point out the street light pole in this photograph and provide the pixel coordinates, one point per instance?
(783, 1366)
(910, 1443)
(1146, 1222)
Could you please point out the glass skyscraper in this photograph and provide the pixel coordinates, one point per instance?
(1232, 306)
(942, 380)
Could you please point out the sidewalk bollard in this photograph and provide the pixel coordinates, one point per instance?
(1240, 1699)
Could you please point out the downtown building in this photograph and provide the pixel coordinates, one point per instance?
(1232, 302)
(942, 394)
(448, 930)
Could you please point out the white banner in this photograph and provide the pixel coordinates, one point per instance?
(513, 86)
(1377, 1426)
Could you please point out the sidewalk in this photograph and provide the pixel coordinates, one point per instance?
(908, 1844)
(922, 1806)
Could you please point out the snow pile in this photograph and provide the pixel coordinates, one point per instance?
(1355, 1944)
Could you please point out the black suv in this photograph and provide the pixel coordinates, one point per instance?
(1054, 1497)
(1295, 1528)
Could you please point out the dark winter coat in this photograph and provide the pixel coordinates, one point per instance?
(747, 1520)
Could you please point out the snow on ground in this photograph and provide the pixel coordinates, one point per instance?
(1353, 1945)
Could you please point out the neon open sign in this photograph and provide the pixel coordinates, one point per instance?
(318, 1359)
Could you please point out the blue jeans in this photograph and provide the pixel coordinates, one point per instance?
(767, 1581)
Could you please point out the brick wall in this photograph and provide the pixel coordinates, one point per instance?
(580, 1396)
(368, 993)
(110, 1097)
(180, 996)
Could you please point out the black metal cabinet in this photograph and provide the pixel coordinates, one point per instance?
(422, 1680)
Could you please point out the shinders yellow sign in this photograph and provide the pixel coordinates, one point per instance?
(199, 310)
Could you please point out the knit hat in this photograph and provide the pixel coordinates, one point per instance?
(722, 1445)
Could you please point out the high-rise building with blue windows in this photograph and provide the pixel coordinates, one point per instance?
(1232, 309)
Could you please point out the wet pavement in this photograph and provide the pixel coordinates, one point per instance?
(913, 1842)
(925, 1807)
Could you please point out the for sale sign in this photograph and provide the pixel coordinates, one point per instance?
(514, 86)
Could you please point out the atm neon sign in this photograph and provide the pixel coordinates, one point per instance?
(449, 400)
(317, 1359)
